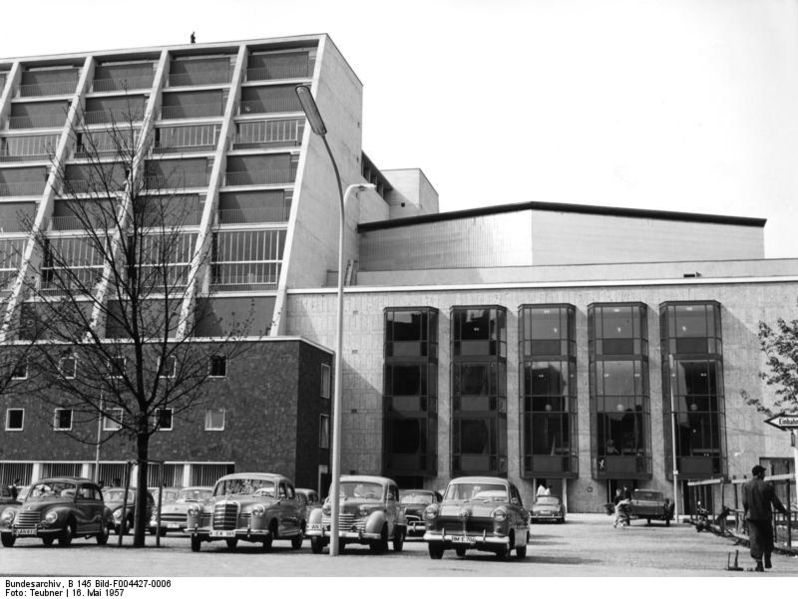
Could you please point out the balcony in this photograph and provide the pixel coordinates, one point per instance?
(244, 276)
(98, 187)
(53, 88)
(270, 105)
(195, 110)
(98, 117)
(265, 176)
(21, 149)
(261, 134)
(202, 138)
(122, 83)
(16, 225)
(36, 121)
(296, 70)
(238, 216)
(210, 77)
(22, 188)
(184, 180)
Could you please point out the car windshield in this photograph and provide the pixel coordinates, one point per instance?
(476, 492)
(245, 486)
(361, 490)
(118, 495)
(193, 495)
(547, 500)
(52, 489)
(416, 497)
(647, 495)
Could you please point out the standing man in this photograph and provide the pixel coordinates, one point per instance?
(757, 499)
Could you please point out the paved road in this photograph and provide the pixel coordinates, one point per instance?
(587, 545)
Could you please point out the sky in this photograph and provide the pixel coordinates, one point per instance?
(684, 105)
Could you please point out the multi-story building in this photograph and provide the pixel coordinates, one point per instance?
(528, 340)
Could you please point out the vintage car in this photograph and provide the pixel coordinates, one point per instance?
(60, 508)
(310, 499)
(478, 512)
(369, 513)
(124, 515)
(414, 502)
(249, 506)
(650, 505)
(175, 508)
(547, 508)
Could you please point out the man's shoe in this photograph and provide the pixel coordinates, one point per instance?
(759, 567)
(767, 562)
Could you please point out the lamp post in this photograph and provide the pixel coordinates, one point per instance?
(672, 373)
(318, 127)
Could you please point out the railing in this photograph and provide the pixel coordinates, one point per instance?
(196, 110)
(211, 77)
(54, 88)
(22, 188)
(266, 176)
(234, 216)
(37, 147)
(255, 134)
(245, 275)
(284, 71)
(268, 105)
(180, 139)
(122, 83)
(36, 121)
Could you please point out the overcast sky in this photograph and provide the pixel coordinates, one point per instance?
(686, 105)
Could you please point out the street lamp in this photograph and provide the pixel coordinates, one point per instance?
(672, 373)
(313, 115)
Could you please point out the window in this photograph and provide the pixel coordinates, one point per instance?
(326, 372)
(324, 431)
(218, 366)
(20, 371)
(63, 419)
(214, 420)
(15, 418)
(68, 366)
(169, 369)
(112, 421)
(163, 419)
(116, 367)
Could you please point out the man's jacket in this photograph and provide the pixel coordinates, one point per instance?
(757, 499)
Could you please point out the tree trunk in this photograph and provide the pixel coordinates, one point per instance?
(140, 520)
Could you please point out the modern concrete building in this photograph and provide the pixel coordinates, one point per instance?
(528, 340)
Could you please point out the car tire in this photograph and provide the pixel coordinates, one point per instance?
(503, 552)
(648, 521)
(381, 545)
(460, 551)
(231, 544)
(195, 543)
(398, 538)
(435, 550)
(7, 539)
(269, 540)
(316, 544)
(667, 522)
(296, 542)
(65, 538)
(102, 536)
(48, 541)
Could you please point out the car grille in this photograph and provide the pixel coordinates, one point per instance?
(27, 519)
(173, 518)
(346, 522)
(225, 516)
(412, 518)
(473, 526)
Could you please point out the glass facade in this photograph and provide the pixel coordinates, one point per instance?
(619, 391)
(479, 390)
(693, 380)
(410, 392)
(547, 354)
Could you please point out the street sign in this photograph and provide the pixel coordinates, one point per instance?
(783, 421)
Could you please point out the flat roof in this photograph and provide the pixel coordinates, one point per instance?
(561, 207)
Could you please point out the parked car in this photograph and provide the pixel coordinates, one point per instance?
(125, 517)
(310, 499)
(651, 505)
(249, 506)
(478, 512)
(175, 508)
(60, 508)
(369, 513)
(414, 502)
(547, 508)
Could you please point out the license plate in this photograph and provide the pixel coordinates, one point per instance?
(22, 532)
(223, 533)
(172, 525)
(463, 539)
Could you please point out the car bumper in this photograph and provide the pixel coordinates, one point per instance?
(416, 529)
(32, 532)
(244, 534)
(317, 530)
(467, 540)
(546, 518)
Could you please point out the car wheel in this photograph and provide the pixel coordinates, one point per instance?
(48, 541)
(7, 539)
(398, 539)
(381, 545)
(195, 543)
(267, 542)
(520, 551)
(435, 550)
(316, 544)
(231, 544)
(504, 551)
(296, 542)
(65, 538)
(667, 522)
(102, 536)
(648, 521)
(460, 551)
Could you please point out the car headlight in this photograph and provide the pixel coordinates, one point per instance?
(51, 516)
(7, 517)
(259, 510)
(118, 514)
(431, 512)
(499, 514)
(193, 511)
(326, 510)
(365, 510)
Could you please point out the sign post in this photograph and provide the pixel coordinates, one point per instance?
(788, 422)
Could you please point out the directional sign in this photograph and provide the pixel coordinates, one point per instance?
(784, 421)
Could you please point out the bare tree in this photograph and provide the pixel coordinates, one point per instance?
(105, 292)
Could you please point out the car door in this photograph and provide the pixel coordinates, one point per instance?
(82, 509)
(392, 508)
(294, 508)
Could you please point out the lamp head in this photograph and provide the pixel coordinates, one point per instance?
(311, 110)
